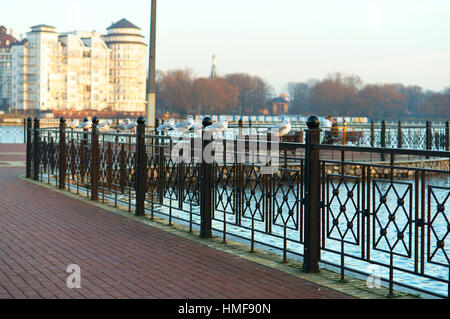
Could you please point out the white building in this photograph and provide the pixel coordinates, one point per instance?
(80, 70)
(127, 69)
(6, 40)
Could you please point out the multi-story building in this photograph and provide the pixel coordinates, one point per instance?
(6, 40)
(280, 105)
(128, 66)
(80, 71)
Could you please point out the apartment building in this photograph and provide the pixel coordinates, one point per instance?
(128, 68)
(80, 71)
(6, 40)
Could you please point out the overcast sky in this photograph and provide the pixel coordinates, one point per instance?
(395, 41)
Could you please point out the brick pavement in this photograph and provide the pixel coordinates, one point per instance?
(42, 232)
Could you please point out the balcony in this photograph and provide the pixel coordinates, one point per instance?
(28, 73)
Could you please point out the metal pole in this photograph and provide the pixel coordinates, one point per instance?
(205, 193)
(151, 85)
(429, 139)
(400, 135)
(447, 136)
(95, 158)
(62, 153)
(29, 147)
(36, 153)
(312, 191)
(24, 130)
(141, 168)
(383, 139)
(241, 128)
(372, 134)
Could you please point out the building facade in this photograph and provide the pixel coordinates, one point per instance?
(127, 70)
(6, 40)
(79, 71)
(280, 105)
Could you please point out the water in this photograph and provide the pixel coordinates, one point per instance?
(11, 134)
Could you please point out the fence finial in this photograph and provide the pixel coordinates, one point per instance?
(140, 120)
(313, 122)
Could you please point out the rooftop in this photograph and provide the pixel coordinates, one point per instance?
(280, 99)
(6, 39)
(42, 26)
(123, 24)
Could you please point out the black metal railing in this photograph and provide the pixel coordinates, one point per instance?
(296, 199)
(426, 135)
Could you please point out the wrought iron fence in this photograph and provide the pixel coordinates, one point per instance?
(428, 135)
(347, 213)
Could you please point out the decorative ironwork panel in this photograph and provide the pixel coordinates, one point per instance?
(287, 199)
(170, 178)
(439, 225)
(192, 191)
(343, 208)
(225, 189)
(253, 194)
(392, 217)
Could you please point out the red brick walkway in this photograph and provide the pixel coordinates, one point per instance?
(42, 232)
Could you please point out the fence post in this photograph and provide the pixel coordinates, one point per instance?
(25, 130)
(400, 135)
(205, 190)
(29, 147)
(372, 134)
(62, 153)
(161, 168)
(383, 139)
(429, 139)
(345, 133)
(241, 127)
(447, 136)
(85, 136)
(312, 197)
(140, 167)
(95, 167)
(37, 153)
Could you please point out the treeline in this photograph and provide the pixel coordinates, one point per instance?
(347, 96)
(179, 91)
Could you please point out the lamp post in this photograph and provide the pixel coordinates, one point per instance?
(151, 85)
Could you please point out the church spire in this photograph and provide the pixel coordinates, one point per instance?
(214, 67)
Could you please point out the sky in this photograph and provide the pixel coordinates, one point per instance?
(395, 41)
